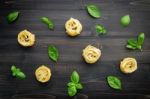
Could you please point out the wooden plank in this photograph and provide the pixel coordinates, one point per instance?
(66, 48)
(93, 79)
(44, 5)
(30, 19)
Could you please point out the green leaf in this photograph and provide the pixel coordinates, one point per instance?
(132, 42)
(139, 47)
(20, 75)
(13, 68)
(74, 84)
(125, 20)
(79, 86)
(141, 38)
(17, 72)
(130, 47)
(48, 22)
(53, 53)
(72, 91)
(13, 73)
(71, 84)
(100, 29)
(94, 11)
(75, 77)
(136, 44)
(114, 82)
(12, 16)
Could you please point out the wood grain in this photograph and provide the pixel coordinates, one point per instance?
(93, 77)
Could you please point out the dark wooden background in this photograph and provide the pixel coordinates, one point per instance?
(93, 77)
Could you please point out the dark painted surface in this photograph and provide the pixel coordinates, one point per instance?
(93, 77)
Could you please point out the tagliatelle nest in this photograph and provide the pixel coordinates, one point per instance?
(43, 74)
(26, 38)
(128, 65)
(73, 27)
(91, 54)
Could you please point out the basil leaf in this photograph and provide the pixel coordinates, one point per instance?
(72, 91)
(48, 22)
(114, 82)
(132, 42)
(94, 11)
(20, 75)
(136, 44)
(13, 68)
(79, 86)
(17, 72)
(74, 84)
(141, 39)
(12, 16)
(125, 20)
(130, 47)
(53, 53)
(75, 77)
(100, 29)
(13, 73)
(139, 47)
(71, 84)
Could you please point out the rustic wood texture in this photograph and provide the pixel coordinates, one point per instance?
(93, 77)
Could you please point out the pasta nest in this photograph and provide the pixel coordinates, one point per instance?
(73, 27)
(43, 74)
(128, 65)
(91, 54)
(26, 38)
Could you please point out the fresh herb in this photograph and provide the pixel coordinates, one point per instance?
(114, 82)
(79, 86)
(100, 29)
(94, 11)
(16, 72)
(75, 77)
(72, 90)
(125, 20)
(53, 53)
(74, 84)
(141, 39)
(12, 16)
(136, 43)
(48, 22)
